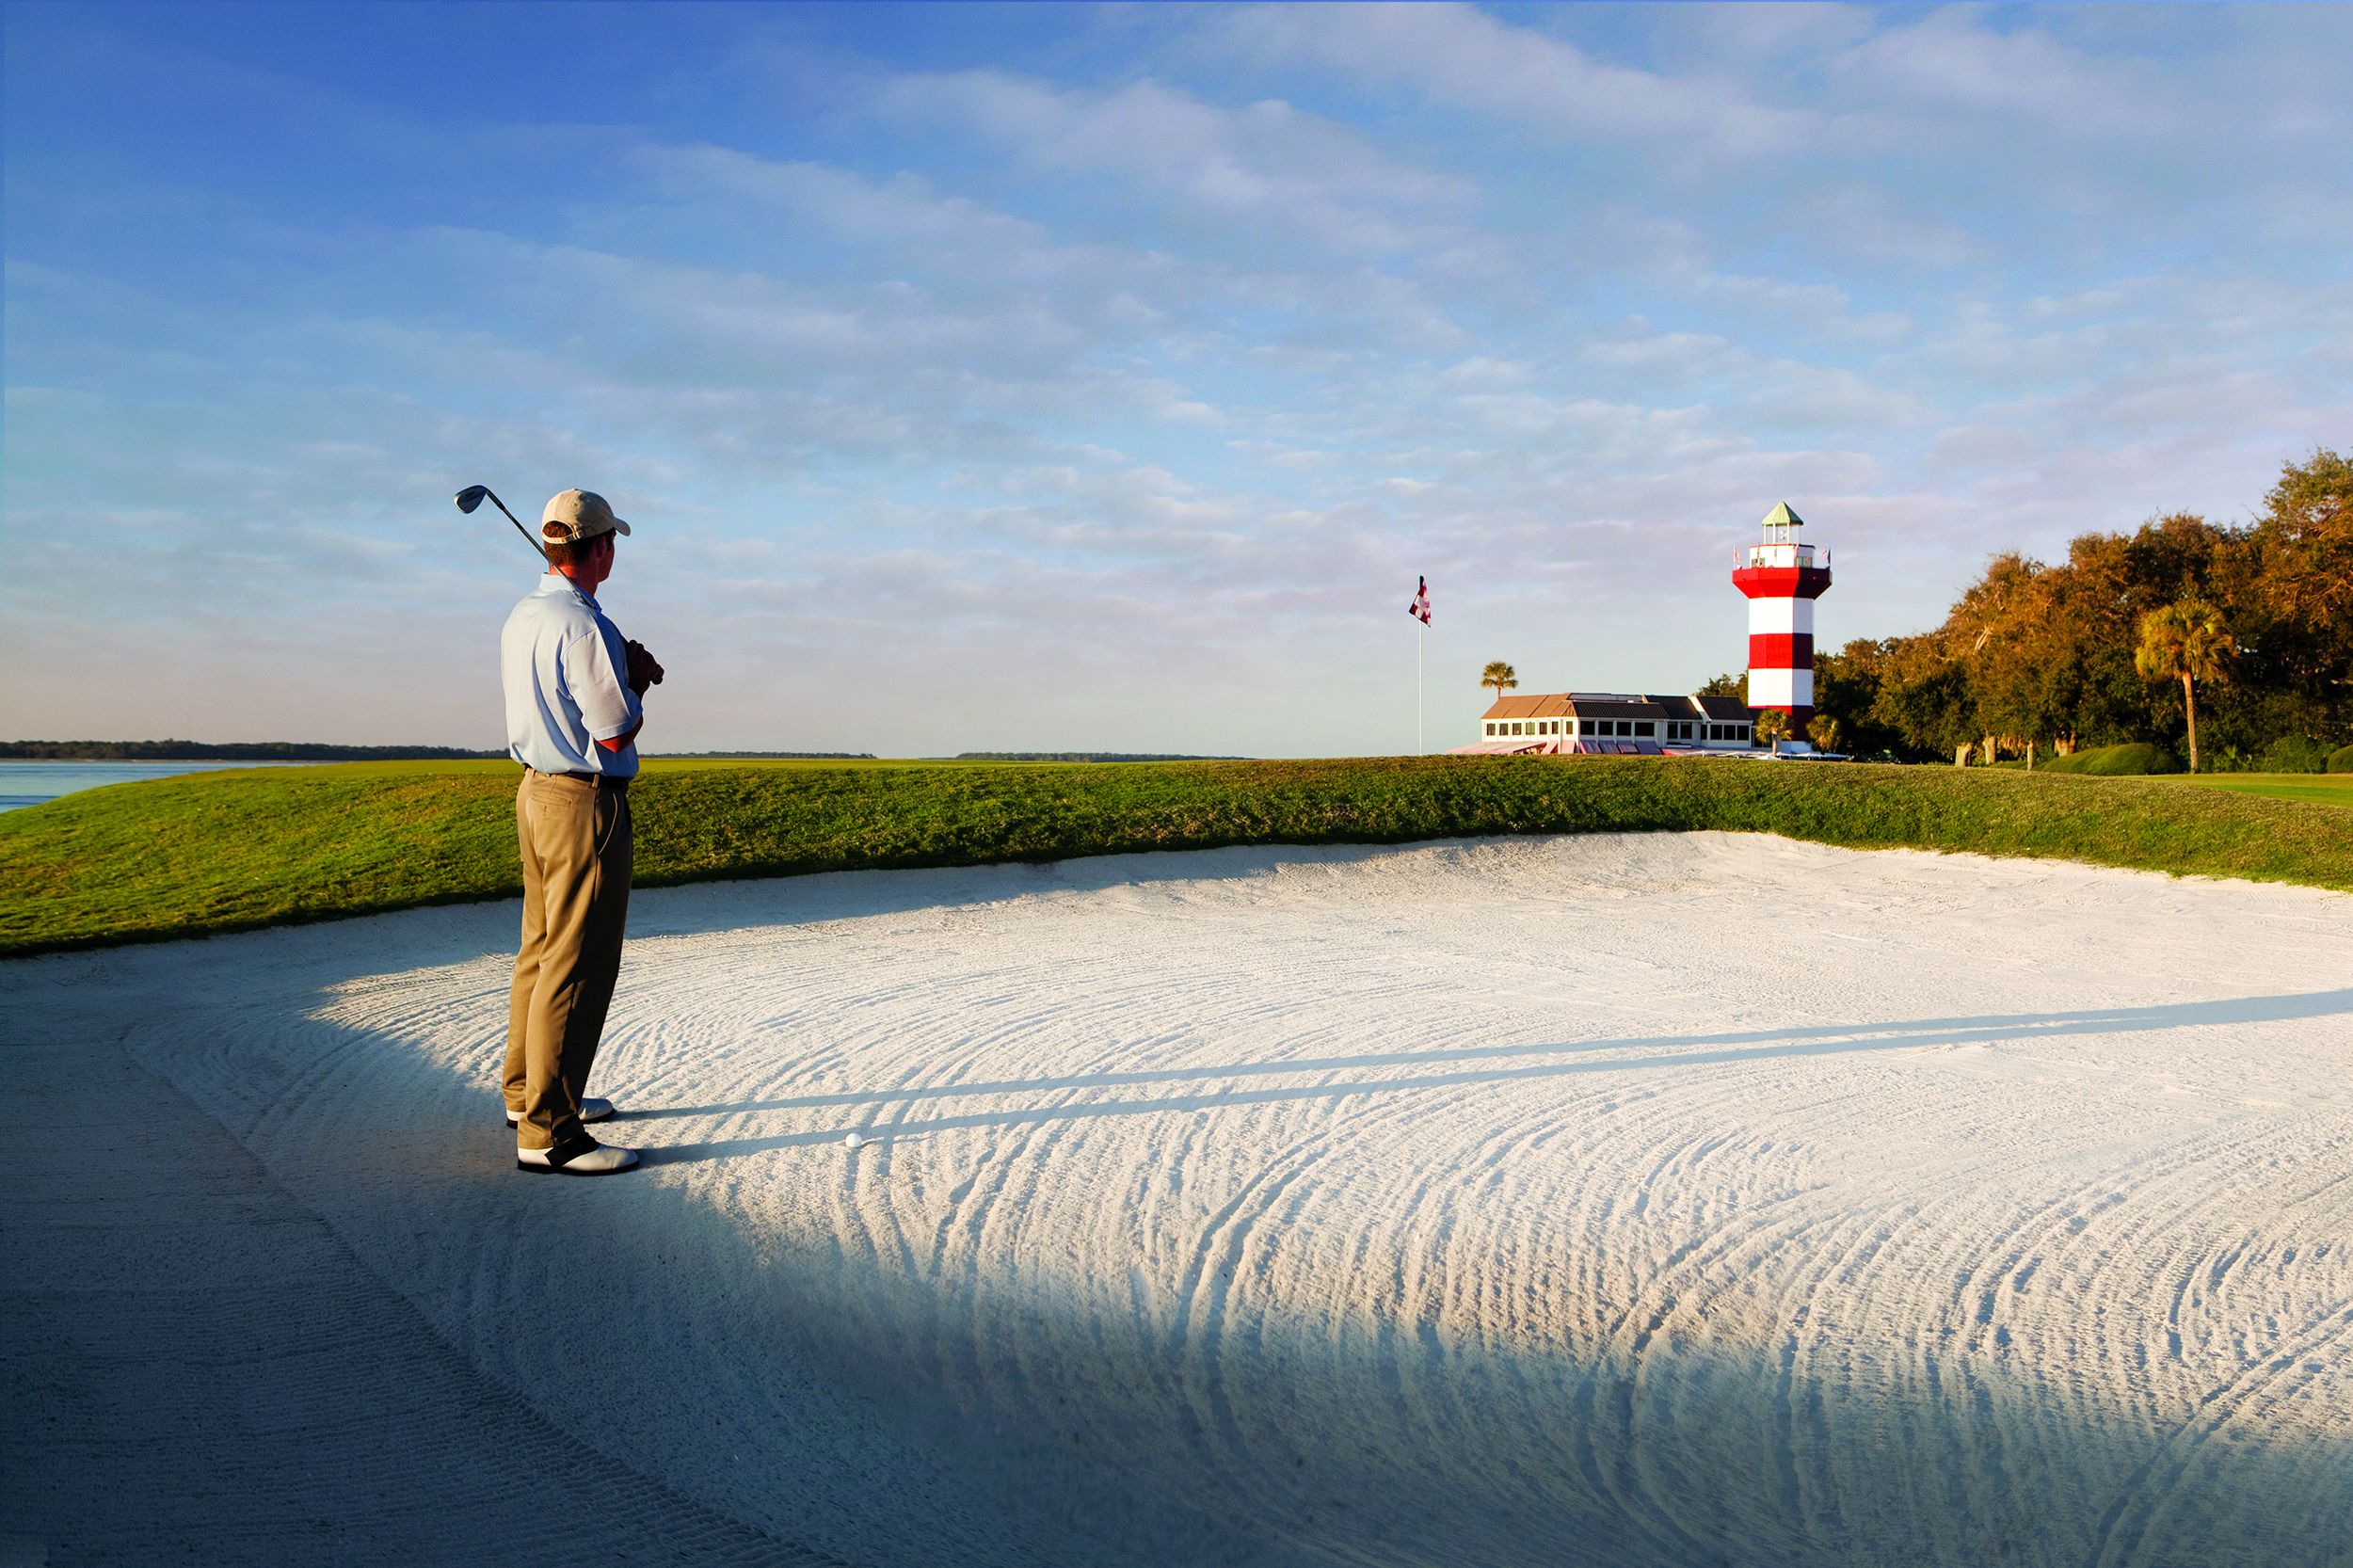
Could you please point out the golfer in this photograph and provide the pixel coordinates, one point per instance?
(574, 693)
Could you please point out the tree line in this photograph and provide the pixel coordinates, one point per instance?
(2246, 629)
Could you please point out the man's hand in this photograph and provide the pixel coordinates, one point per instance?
(644, 668)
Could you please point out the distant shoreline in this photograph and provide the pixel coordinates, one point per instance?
(314, 751)
(310, 751)
(228, 751)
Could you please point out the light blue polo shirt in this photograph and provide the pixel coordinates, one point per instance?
(565, 670)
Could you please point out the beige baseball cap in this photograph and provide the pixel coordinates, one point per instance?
(578, 515)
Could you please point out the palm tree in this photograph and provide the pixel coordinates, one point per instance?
(1499, 675)
(2185, 642)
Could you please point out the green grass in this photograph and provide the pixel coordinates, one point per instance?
(2327, 788)
(233, 849)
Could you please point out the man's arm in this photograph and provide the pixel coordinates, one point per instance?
(643, 671)
(609, 707)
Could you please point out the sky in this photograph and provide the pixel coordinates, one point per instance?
(995, 377)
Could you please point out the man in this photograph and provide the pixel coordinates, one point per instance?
(573, 710)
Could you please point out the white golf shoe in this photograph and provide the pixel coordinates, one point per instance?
(583, 1157)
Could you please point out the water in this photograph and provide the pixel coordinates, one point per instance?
(30, 783)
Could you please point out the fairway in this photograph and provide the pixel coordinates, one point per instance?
(2322, 788)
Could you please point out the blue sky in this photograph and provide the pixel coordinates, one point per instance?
(993, 377)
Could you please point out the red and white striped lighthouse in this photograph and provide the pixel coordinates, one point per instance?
(1782, 581)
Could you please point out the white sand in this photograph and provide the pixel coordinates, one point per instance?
(1622, 1200)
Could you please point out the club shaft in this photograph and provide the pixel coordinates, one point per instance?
(535, 547)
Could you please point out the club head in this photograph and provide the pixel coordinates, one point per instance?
(471, 497)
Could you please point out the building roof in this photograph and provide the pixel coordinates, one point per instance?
(1571, 705)
(1616, 705)
(1553, 705)
(1622, 708)
(1782, 515)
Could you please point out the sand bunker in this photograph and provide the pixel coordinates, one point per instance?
(1658, 1199)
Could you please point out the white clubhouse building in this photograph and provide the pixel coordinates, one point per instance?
(1603, 723)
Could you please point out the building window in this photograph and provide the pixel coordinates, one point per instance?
(1649, 727)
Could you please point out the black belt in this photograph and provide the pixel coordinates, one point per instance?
(602, 780)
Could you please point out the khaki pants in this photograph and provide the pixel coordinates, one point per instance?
(576, 849)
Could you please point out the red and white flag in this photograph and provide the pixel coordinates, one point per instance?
(1419, 609)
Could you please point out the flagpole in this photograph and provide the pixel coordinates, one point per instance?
(1420, 633)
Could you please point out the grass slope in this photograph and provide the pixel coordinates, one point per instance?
(228, 851)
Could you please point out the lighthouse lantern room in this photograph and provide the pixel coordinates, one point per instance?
(1782, 578)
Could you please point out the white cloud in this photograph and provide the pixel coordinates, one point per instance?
(1951, 58)
(1263, 162)
(1463, 58)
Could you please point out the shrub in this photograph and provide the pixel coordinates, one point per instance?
(2341, 759)
(2134, 758)
(2295, 754)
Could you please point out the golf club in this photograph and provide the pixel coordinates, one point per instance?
(471, 497)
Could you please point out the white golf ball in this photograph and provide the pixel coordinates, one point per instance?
(853, 1141)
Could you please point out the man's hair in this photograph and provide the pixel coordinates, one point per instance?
(569, 552)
